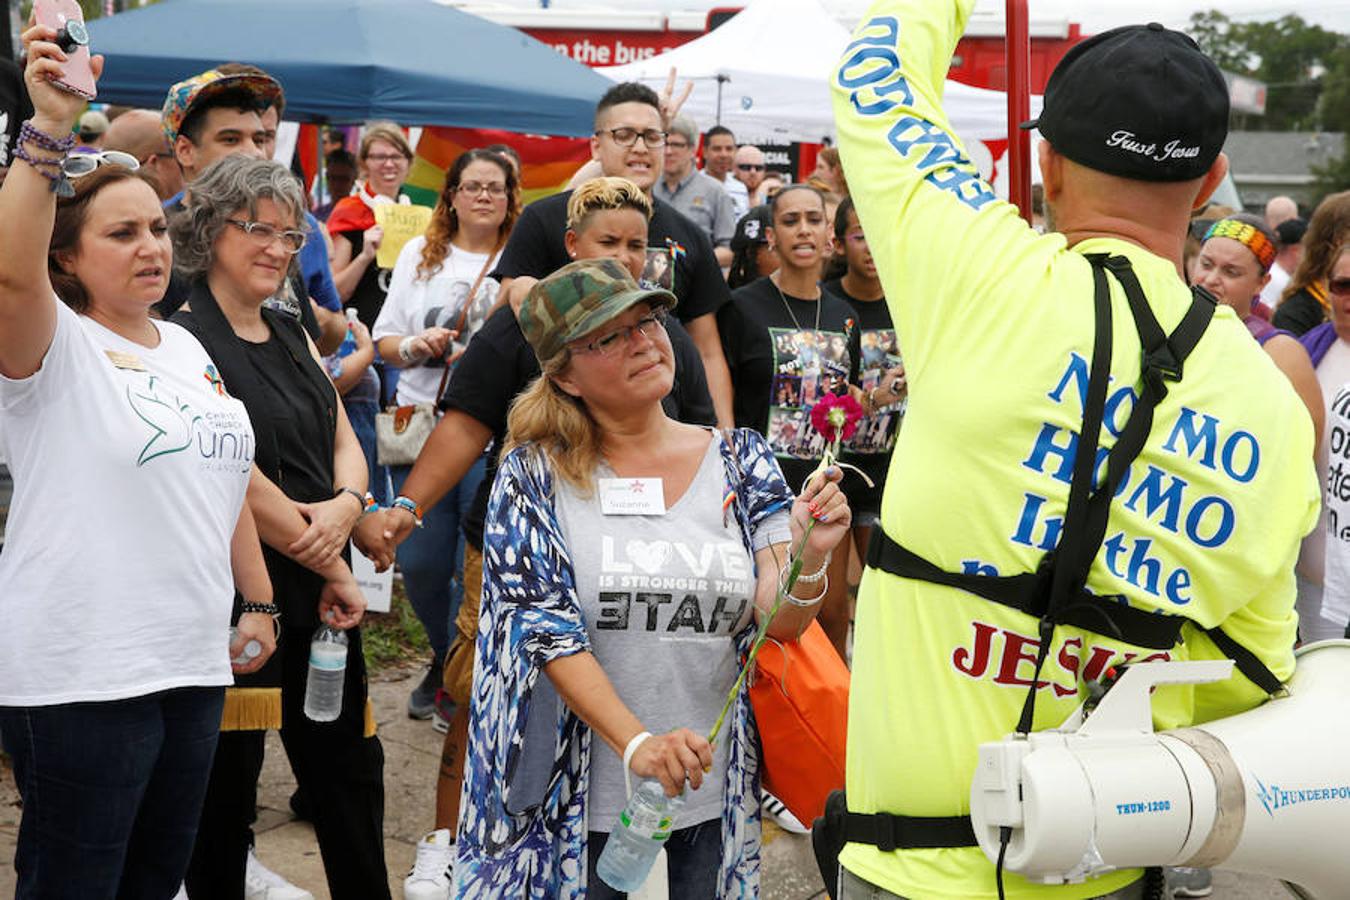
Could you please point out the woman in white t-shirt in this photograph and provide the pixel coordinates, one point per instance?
(439, 296)
(128, 534)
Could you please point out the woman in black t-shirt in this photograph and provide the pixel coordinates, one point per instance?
(788, 343)
(235, 243)
(881, 373)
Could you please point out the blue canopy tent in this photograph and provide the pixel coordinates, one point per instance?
(415, 62)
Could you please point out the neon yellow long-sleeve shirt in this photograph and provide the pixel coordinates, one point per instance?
(997, 327)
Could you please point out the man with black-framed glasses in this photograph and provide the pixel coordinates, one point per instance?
(629, 141)
(698, 195)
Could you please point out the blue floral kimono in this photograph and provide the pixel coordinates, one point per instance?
(522, 827)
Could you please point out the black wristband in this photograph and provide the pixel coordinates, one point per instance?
(360, 498)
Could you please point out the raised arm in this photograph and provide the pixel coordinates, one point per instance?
(28, 212)
(919, 196)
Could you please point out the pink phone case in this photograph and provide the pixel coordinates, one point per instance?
(78, 77)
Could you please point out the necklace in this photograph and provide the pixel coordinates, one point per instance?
(788, 306)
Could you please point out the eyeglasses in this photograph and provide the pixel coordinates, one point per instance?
(263, 234)
(611, 343)
(380, 158)
(677, 145)
(494, 189)
(1339, 286)
(80, 164)
(627, 137)
(750, 167)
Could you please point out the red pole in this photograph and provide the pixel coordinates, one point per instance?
(1018, 58)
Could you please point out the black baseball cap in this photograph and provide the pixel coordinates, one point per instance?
(1140, 102)
(753, 228)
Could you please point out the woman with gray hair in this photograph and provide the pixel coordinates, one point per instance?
(235, 243)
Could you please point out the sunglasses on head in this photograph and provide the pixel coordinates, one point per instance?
(79, 164)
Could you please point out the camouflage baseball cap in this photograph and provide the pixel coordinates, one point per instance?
(184, 95)
(579, 298)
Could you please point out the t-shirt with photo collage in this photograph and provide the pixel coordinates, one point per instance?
(783, 360)
(870, 447)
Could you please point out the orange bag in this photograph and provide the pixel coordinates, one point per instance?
(800, 696)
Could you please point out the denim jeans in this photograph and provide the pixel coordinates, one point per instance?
(361, 413)
(112, 793)
(851, 887)
(433, 556)
(693, 859)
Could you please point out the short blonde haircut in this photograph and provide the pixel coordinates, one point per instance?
(600, 194)
(387, 132)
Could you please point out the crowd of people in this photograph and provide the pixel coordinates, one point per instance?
(619, 467)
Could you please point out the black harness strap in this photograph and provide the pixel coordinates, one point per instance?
(889, 832)
(1056, 593)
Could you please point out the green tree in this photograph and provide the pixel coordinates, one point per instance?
(1295, 60)
(1334, 176)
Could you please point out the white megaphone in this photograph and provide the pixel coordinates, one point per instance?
(1266, 792)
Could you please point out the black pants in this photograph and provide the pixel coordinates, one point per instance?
(340, 772)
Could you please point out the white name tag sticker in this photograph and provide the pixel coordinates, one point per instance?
(632, 497)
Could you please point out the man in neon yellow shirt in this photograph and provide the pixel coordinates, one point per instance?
(996, 325)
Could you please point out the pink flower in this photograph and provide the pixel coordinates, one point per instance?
(836, 417)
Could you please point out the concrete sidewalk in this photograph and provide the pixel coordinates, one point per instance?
(412, 753)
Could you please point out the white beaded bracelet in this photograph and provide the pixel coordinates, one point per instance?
(819, 573)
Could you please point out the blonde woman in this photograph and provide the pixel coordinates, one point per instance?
(606, 217)
(617, 504)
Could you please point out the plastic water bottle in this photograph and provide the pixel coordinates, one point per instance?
(348, 345)
(642, 830)
(249, 652)
(327, 673)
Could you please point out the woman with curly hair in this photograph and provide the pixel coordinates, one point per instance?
(1305, 304)
(439, 296)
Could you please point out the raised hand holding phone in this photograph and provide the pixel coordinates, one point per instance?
(65, 20)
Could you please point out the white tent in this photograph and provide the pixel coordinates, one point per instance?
(766, 73)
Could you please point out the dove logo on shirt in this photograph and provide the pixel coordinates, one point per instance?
(221, 438)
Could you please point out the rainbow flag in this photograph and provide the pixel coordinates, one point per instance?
(547, 163)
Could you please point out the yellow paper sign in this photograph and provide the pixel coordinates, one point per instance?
(401, 223)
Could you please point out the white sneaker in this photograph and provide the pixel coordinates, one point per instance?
(433, 868)
(782, 815)
(261, 883)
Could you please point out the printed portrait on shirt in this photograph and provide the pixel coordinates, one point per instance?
(658, 270)
(807, 365)
(876, 433)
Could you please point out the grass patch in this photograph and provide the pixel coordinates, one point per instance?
(394, 638)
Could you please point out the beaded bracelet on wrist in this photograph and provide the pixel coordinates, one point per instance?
(270, 609)
(30, 134)
(409, 505)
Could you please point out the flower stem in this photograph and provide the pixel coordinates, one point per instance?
(762, 634)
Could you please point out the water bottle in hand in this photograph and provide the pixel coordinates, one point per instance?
(327, 673)
(249, 652)
(643, 828)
